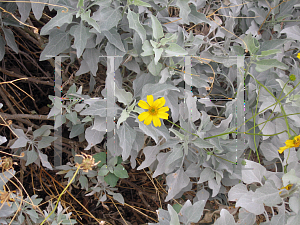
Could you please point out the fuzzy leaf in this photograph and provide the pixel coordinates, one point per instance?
(126, 136)
(60, 19)
(157, 28)
(134, 23)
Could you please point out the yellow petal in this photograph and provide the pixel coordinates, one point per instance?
(148, 120)
(143, 104)
(163, 115)
(156, 103)
(156, 121)
(150, 99)
(143, 116)
(162, 102)
(282, 149)
(163, 109)
(289, 143)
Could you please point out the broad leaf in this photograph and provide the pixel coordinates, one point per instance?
(176, 182)
(10, 39)
(266, 64)
(59, 41)
(157, 28)
(60, 19)
(134, 23)
(254, 173)
(81, 34)
(93, 137)
(114, 38)
(126, 136)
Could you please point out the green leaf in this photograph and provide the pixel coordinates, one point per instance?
(101, 156)
(156, 90)
(197, 17)
(126, 136)
(44, 160)
(86, 17)
(286, 89)
(177, 133)
(38, 9)
(184, 10)
(10, 39)
(266, 64)
(31, 157)
(138, 3)
(83, 182)
(24, 9)
(81, 34)
(60, 19)
(114, 38)
(158, 52)
(59, 41)
(33, 215)
(177, 207)
(91, 56)
(157, 28)
(175, 50)
(2, 48)
(147, 48)
(103, 171)
(72, 116)
(46, 142)
(134, 23)
(174, 216)
(154, 69)
(290, 178)
(168, 38)
(42, 131)
(123, 96)
(80, 3)
(118, 197)
(107, 14)
(119, 160)
(200, 143)
(252, 44)
(76, 130)
(111, 179)
(120, 171)
(270, 52)
(294, 204)
(123, 117)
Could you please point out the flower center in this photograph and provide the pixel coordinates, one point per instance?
(297, 142)
(152, 111)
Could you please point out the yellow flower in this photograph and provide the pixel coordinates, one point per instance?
(298, 56)
(288, 187)
(155, 110)
(290, 143)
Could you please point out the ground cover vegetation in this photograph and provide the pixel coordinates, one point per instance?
(167, 112)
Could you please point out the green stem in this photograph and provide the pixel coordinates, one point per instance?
(285, 170)
(181, 128)
(254, 120)
(204, 138)
(278, 101)
(61, 195)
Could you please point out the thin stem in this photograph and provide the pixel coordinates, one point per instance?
(181, 128)
(62, 194)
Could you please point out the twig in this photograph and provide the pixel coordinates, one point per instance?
(23, 116)
(32, 79)
(141, 193)
(9, 105)
(28, 36)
